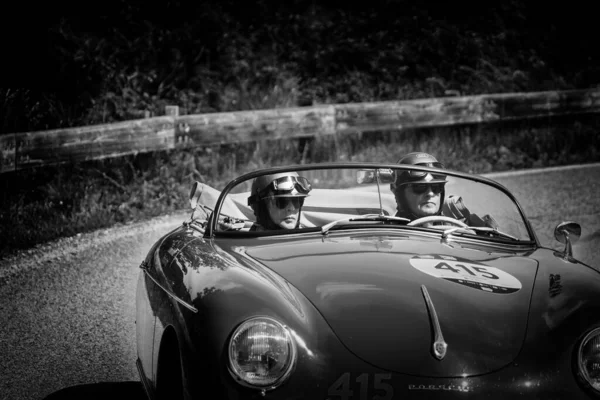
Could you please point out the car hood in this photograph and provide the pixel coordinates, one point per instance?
(370, 291)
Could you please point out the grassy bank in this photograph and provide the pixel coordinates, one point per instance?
(48, 203)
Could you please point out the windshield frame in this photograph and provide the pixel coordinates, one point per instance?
(212, 232)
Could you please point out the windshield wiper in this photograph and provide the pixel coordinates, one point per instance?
(366, 217)
(493, 231)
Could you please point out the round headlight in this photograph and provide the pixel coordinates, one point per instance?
(589, 358)
(262, 353)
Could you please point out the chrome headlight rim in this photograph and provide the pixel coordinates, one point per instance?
(581, 371)
(293, 356)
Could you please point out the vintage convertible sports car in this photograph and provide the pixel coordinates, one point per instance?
(365, 281)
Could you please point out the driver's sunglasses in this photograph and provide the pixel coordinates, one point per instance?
(287, 183)
(420, 188)
(282, 202)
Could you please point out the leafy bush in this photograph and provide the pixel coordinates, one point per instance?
(129, 58)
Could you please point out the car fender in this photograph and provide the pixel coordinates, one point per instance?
(203, 293)
(565, 305)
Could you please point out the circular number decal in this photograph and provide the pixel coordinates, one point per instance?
(467, 273)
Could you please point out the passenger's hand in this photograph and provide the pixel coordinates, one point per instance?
(231, 224)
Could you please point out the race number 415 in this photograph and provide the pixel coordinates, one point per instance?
(363, 387)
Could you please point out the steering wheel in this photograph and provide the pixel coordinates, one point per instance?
(437, 218)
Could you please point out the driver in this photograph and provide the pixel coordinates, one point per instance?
(421, 194)
(277, 200)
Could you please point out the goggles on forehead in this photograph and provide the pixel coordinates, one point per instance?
(412, 174)
(283, 187)
(419, 174)
(300, 183)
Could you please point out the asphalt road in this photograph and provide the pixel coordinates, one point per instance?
(67, 309)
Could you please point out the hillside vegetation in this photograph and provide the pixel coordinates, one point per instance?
(117, 60)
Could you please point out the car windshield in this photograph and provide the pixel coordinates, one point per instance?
(309, 198)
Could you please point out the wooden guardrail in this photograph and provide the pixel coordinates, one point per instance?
(30, 149)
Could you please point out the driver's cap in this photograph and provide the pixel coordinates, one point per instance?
(420, 159)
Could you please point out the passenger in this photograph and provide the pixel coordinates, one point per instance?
(277, 201)
(421, 194)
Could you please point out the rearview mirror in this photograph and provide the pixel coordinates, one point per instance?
(366, 176)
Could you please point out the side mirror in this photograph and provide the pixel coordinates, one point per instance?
(366, 176)
(567, 232)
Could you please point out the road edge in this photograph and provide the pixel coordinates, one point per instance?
(25, 260)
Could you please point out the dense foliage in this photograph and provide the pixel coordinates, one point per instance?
(115, 59)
